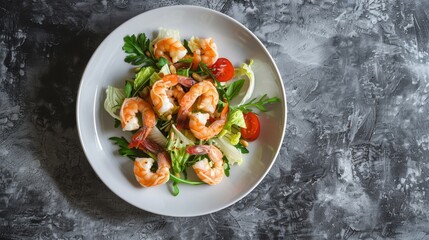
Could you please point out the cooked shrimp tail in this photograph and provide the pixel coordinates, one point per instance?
(138, 138)
(182, 119)
(146, 146)
(186, 81)
(198, 149)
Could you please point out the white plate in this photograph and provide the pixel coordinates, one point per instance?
(107, 67)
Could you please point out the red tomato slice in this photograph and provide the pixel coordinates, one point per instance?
(251, 132)
(223, 70)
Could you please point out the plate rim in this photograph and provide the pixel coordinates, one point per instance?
(272, 63)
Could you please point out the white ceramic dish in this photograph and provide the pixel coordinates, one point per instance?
(95, 126)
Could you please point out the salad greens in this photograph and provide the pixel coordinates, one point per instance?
(246, 69)
(139, 52)
(113, 101)
(258, 103)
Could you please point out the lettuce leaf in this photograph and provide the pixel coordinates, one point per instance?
(194, 44)
(166, 33)
(246, 69)
(235, 118)
(143, 76)
(165, 70)
(157, 136)
(233, 155)
(114, 99)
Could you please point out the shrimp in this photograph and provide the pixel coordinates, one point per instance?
(178, 92)
(207, 173)
(170, 48)
(146, 177)
(163, 105)
(142, 166)
(209, 97)
(206, 51)
(198, 120)
(129, 120)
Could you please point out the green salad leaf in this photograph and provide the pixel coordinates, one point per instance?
(246, 69)
(113, 101)
(233, 89)
(142, 78)
(233, 155)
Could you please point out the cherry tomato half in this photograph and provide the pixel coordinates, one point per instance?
(251, 132)
(223, 70)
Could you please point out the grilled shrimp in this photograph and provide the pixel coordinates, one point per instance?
(142, 166)
(210, 174)
(159, 95)
(170, 48)
(198, 121)
(129, 120)
(205, 50)
(207, 94)
(208, 97)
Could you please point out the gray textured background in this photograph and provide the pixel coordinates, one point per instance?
(353, 164)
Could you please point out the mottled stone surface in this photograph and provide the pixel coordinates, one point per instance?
(354, 163)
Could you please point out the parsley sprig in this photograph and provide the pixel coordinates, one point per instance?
(136, 48)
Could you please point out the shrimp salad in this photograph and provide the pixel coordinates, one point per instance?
(184, 110)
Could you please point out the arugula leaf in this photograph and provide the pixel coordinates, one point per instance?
(181, 180)
(176, 190)
(259, 104)
(125, 151)
(240, 147)
(219, 87)
(136, 48)
(176, 147)
(233, 89)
